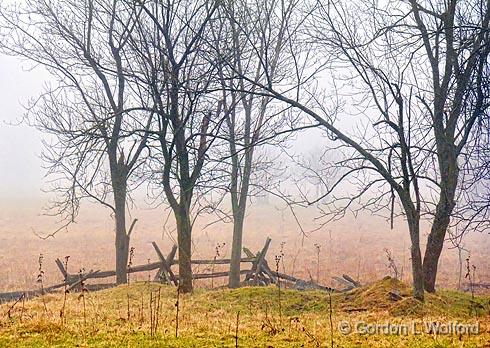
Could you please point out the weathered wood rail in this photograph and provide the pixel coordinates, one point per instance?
(468, 286)
(259, 274)
(164, 267)
(15, 295)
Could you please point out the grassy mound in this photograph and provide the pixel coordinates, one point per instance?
(394, 296)
(410, 307)
(377, 296)
(207, 318)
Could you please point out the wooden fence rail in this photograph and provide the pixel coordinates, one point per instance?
(164, 267)
(259, 274)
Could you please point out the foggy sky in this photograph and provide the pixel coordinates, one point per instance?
(20, 166)
(21, 174)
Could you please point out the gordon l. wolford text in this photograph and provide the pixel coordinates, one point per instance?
(412, 328)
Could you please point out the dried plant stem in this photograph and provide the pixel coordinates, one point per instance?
(212, 271)
(278, 260)
(62, 312)
(330, 317)
(318, 248)
(392, 264)
(130, 264)
(44, 300)
(65, 292)
(279, 300)
(149, 273)
(217, 254)
(471, 278)
(23, 309)
(158, 310)
(84, 311)
(236, 328)
(9, 312)
(128, 307)
(151, 313)
(40, 280)
(177, 304)
(82, 296)
(460, 261)
(142, 309)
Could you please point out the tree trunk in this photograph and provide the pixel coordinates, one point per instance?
(184, 230)
(416, 255)
(236, 250)
(122, 239)
(417, 273)
(239, 204)
(435, 243)
(444, 209)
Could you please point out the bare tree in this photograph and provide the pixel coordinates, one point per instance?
(180, 74)
(376, 53)
(457, 43)
(91, 114)
(472, 210)
(365, 156)
(255, 35)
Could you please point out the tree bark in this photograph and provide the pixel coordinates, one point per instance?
(184, 232)
(239, 192)
(236, 250)
(444, 209)
(413, 221)
(435, 241)
(417, 269)
(239, 204)
(122, 239)
(417, 273)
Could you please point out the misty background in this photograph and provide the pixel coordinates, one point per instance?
(354, 245)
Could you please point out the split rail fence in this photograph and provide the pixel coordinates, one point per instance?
(259, 274)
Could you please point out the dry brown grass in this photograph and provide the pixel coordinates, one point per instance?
(208, 318)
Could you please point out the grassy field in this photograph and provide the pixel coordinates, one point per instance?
(267, 317)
